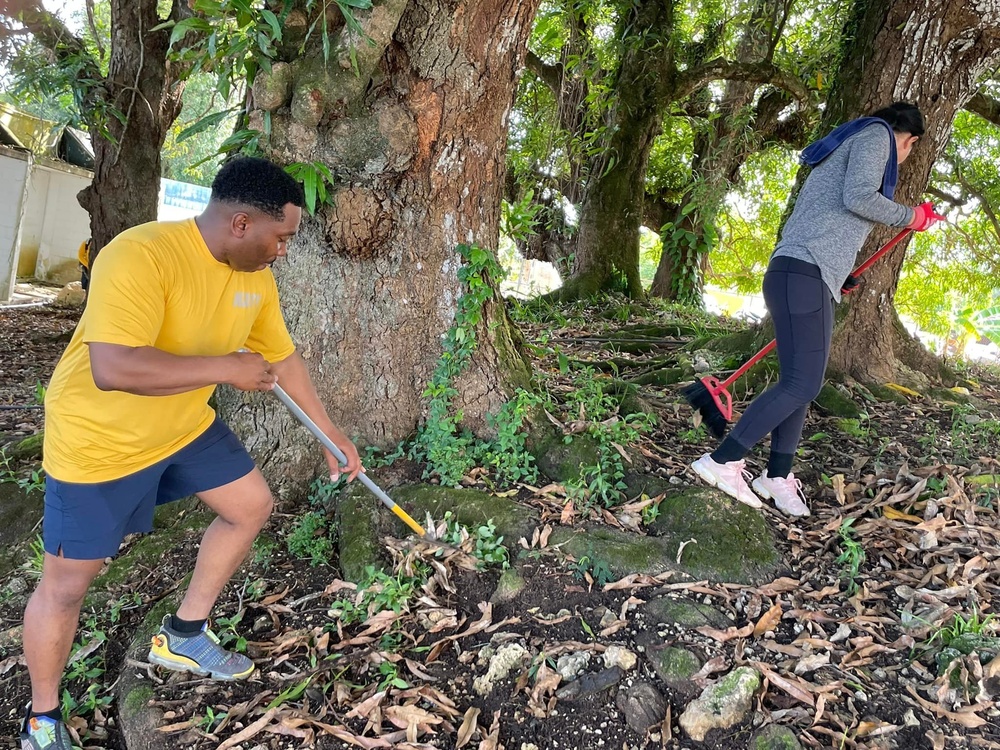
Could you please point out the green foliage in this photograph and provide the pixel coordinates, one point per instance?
(264, 548)
(229, 636)
(315, 177)
(309, 539)
(852, 555)
(974, 624)
(488, 549)
(377, 592)
(193, 141)
(972, 436)
(449, 450)
(602, 483)
(594, 567)
(30, 480)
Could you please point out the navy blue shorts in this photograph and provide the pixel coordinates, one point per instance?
(89, 521)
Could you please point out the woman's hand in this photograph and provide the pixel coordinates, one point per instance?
(924, 217)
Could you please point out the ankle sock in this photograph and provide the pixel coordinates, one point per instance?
(728, 451)
(185, 627)
(779, 465)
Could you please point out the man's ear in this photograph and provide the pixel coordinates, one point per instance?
(239, 224)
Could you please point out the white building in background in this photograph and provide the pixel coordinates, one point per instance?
(43, 167)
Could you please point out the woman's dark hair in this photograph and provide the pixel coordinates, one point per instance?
(257, 183)
(903, 117)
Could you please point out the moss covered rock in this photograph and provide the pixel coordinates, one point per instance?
(510, 585)
(561, 461)
(28, 449)
(676, 665)
(836, 404)
(469, 507)
(139, 720)
(733, 542)
(685, 612)
(20, 512)
(775, 737)
(618, 551)
(358, 524)
(721, 705)
(884, 393)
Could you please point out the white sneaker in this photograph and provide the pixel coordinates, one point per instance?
(785, 491)
(730, 477)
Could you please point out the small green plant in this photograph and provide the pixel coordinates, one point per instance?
(854, 428)
(390, 676)
(308, 539)
(852, 555)
(40, 391)
(225, 628)
(961, 626)
(37, 562)
(378, 591)
(693, 436)
(264, 548)
(597, 568)
(650, 513)
(210, 720)
(489, 549)
(31, 482)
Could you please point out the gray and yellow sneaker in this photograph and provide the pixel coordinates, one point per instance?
(44, 733)
(199, 653)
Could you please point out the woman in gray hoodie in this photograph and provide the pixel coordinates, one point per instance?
(849, 190)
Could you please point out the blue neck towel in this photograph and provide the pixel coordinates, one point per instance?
(816, 152)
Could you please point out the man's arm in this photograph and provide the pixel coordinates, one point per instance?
(293, 377)
(148, 371)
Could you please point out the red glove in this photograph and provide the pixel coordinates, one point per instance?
(924, 217)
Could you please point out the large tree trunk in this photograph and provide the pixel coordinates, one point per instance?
(738, 130)
(607, 247)
(128, 112)
(416, 141)
(932, 53)
(126, 186)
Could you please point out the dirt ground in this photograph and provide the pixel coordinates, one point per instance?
(842, 668)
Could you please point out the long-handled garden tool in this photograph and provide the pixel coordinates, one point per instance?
(711, 397)
(387, 501)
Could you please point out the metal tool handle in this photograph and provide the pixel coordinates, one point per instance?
(310, 425)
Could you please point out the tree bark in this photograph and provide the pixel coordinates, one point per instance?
(416, 141)
(650, 78)
(932, 53)
(140, 86)
(738, 130)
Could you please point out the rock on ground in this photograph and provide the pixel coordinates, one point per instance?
(722, 704)
(642, 705)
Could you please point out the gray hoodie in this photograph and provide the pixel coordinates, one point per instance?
(839, 204)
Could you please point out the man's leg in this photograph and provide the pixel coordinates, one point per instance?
(243, 507)
(50, 622)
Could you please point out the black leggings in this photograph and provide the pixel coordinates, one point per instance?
(801, 307)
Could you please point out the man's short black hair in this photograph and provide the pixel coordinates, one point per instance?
(257, 183)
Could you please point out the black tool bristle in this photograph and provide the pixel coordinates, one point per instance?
(700, 398)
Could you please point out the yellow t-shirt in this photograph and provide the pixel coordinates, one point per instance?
(158, 285)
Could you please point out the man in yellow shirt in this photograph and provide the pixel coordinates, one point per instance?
(176, 309)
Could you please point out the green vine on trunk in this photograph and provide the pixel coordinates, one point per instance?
(449, 450)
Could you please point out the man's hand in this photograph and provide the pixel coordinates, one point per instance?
(353, 466)
(249, 371)
(850, 284)
(924, 217)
